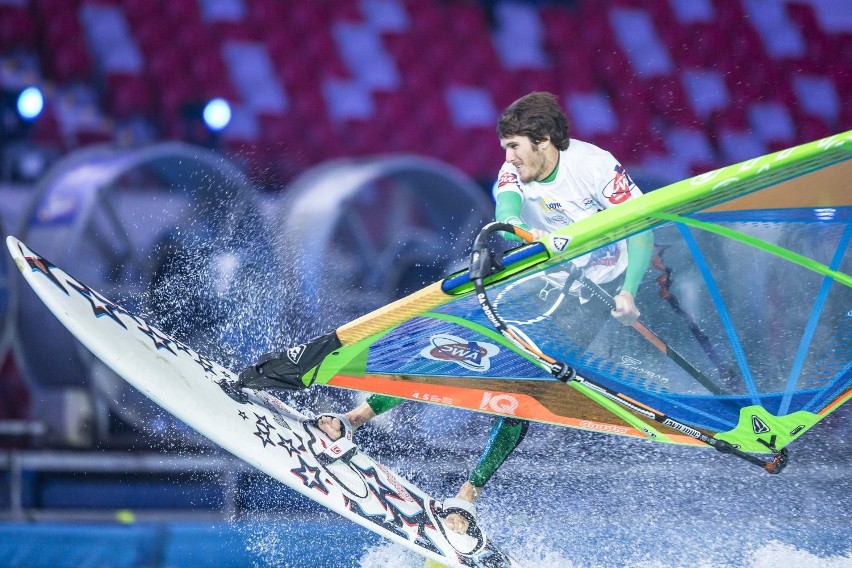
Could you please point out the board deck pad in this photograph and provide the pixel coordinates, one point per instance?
(261, 430)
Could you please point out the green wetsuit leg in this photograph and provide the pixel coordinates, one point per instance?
(381, 403)
(506, 435)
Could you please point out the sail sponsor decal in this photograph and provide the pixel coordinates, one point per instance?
(472, 355)
(758, 425)
(501, 403)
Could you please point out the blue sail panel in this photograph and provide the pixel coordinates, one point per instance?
(431, 346)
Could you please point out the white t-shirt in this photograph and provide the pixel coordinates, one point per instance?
(588, 179)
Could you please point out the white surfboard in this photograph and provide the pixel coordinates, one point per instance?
(263, 431)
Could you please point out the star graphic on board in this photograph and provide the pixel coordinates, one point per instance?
(204, 363)
(160, 339)
(131, 315)
(181, 346)
(411, 526)
(39, 264)
(263, 434)
(310, 476)
(290, 445)
(100, 305)
(263, 422)
(242, 415)
(264, 428)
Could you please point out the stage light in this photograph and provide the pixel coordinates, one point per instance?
(217, 114)
(30, 103)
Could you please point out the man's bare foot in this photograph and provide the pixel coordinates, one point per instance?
(456, 522)
(358, 416)
(331, 426)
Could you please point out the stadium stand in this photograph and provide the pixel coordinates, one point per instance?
(677, 86)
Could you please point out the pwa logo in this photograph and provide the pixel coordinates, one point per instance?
(502, 403)
(473, 355)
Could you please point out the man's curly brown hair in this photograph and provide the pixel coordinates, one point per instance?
(536, 116)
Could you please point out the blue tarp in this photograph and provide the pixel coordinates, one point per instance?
(177, 545)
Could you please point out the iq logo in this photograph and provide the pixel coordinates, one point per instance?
(502, 403)
(473, 355)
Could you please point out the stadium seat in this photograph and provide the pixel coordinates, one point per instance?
(181, 12)
(437, 44)
(16, 28)
(561, 28)
(128, 95)
(46, 131)
(266, 15)
(467, 20)
(60, 28)
(153, 33)
(193, 38)
(70, 62)
(140, 10)
(160, 65)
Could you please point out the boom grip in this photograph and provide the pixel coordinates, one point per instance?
(481, 240)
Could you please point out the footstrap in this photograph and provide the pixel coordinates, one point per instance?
(341, 449)
(346, 426)
(461, 507)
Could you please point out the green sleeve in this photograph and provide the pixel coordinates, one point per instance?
(381, 403)
(639, 250)
(506, 434)
(508, 210)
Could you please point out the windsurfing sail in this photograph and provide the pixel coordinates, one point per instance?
(745, 323)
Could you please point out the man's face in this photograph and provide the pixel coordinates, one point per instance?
(526, 157)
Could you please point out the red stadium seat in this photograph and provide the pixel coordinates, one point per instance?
(267, 15)
(561, 27)
(128, 95)
(152, 33)
(810, 128)
(730, 119)
(138, 11)
(60, 28)
(46, 130)
(669, 100)
(236, 31)
(447, 43)
(173, 97)
(466, 20)
(16, 28)
(70, 62)
(193, 38)
(428, 18)
(182, 12)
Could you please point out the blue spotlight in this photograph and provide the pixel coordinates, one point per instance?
(217, 114)
(30, 103)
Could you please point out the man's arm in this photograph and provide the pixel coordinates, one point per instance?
(508, 210)
(639, 250)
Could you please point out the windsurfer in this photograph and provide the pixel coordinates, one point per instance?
(547, 182)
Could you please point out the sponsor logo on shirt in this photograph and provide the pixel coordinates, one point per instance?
(619, 190)
(508, 178)
(558, 220)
